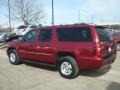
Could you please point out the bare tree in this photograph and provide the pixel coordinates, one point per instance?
(26, 11)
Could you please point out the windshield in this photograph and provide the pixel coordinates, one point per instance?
(1, 33)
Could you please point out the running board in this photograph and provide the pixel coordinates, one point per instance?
(39, 63)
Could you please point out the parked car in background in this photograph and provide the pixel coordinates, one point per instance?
(115, 37)
(68, 47)
(11, 36)
(23, 29)
(1, 32)
(2, 35)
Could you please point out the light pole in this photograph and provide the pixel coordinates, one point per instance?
(78, 16)
(92, 18)
(9, 15)
(52, 12)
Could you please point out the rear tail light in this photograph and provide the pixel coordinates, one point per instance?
(97, 50)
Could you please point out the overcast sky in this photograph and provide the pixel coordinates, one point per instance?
(68, 11)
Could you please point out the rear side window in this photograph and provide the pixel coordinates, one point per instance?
(45, 35)
(74, 34)
(103, 34)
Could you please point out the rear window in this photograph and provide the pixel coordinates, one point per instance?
(22, 27)
(74, 34)
(104, 34)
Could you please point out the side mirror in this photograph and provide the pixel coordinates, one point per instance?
(118, 47)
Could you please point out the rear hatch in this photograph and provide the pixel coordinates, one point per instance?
(107, 45)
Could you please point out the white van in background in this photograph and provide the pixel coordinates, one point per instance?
(23, 29)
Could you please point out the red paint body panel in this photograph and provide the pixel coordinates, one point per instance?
(84, 52)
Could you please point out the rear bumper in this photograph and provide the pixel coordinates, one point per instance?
(109, 60)
(92, 64)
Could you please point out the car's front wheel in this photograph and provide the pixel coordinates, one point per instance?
(13, 57)
(68, 67)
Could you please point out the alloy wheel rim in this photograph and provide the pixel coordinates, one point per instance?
(12, 57)
(66, 68)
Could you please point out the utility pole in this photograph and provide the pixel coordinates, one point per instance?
(9, 15)
(78, 16)
(92, 19)
(52, 12)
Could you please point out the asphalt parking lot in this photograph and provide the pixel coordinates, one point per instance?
(33, 77)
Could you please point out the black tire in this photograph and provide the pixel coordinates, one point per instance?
(72, 63)
(16, 60)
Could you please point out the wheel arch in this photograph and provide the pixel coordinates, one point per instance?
(63, 54)
(9, 49)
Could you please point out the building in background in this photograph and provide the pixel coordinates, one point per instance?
(114, 26)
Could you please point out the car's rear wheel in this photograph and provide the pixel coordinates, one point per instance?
(13, 57)
(68, 67)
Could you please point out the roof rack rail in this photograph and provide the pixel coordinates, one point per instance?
(81, 24)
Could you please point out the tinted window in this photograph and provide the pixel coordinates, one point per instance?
(45, 35)
(33, 26)
(74, 34)
(103, 34)
(1, 33)
(30, 36)
(22, 27)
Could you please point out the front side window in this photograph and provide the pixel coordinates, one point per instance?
(30, 36)
(45, 35)
(74, 34)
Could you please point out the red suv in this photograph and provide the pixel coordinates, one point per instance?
(69, 47)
